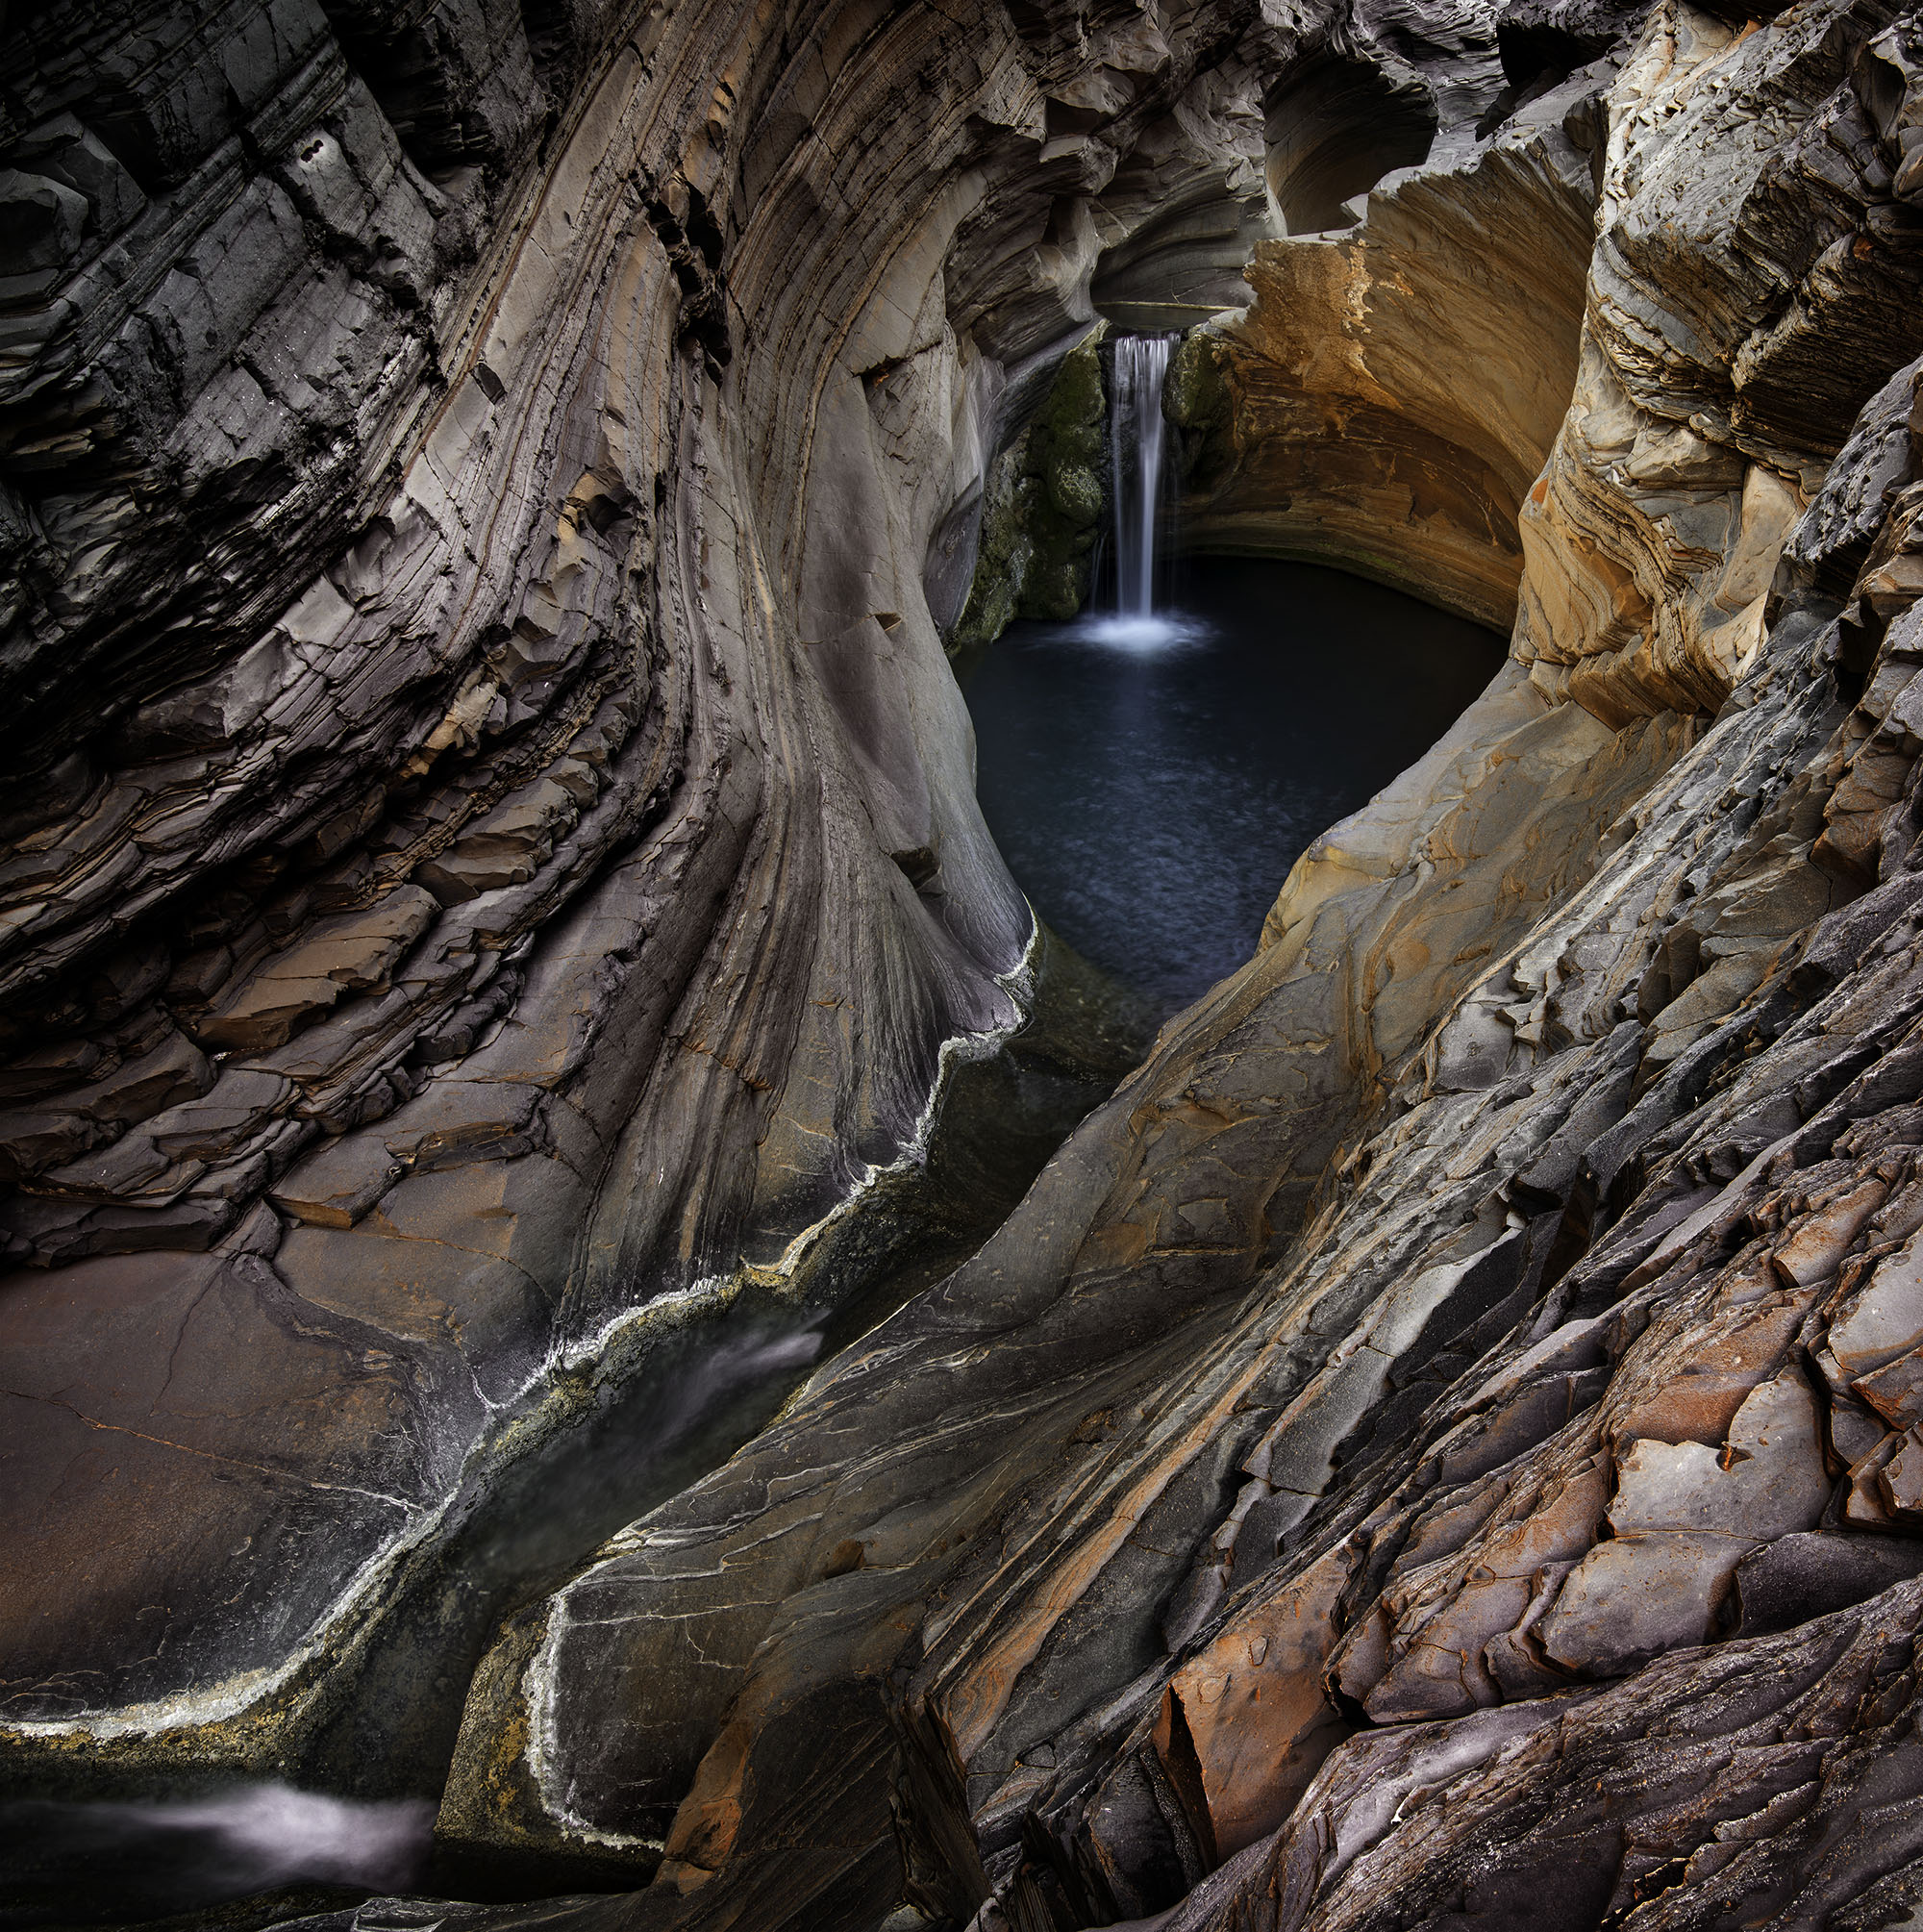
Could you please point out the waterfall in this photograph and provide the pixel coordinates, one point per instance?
(1135, 432)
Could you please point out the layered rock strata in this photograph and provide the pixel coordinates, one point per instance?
(492, 865)
(1400, 1437)
(1441, 1442)
(1391, 396)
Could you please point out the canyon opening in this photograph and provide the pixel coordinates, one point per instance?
(961, 965)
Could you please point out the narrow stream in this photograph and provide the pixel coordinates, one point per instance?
(1150, 774)
(360, 1818)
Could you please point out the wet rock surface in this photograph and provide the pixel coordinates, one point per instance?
(1435, 1325)
(1043, 501)
(490, 841)
(495, 855)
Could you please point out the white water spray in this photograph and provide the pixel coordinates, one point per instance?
(142, 1860)
(1135, 445)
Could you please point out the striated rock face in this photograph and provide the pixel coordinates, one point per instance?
(1391, 396)
(496, 868)
(491, 845)
(1313, 1503)
(1717, 409)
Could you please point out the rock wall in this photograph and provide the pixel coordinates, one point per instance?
(1314, 1504)
(493, 855)
(1438, 1443)
(1390, 397)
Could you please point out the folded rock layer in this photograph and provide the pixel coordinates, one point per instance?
(1436, 1322)
(492, 857)
(1443, 1442)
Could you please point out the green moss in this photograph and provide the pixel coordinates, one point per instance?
(1065, 457)
(1195, 395)
(1056, 586)
(1042, 504)
(1004, 552)
(1196, 399)
(1071, 419)
(1075, 494)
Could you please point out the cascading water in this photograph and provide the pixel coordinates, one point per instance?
(1151, 772)
(1135, 444)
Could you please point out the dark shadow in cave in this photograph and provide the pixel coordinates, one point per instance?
(1334, 127)
(1533, 61)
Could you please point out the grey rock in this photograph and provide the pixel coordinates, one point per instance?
(1439, 1443)
(1809, 1575)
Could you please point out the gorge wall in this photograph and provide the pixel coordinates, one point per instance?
(491, 840)
(495, 870)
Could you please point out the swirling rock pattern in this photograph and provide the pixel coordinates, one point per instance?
(1435, 1325)
(1444, 1442)
(491, 835)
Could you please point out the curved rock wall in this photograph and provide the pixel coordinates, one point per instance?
(1390, 399)
(494, 850)
(1312, 1507)
(1439, 1443)
(1703, 422)
(1336, 124)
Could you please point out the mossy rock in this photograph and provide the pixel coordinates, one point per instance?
(1067, 452)
(1044, 499)
(1196, 400)
(1195, 395)
(1070, 422)
(1057, 588)
(1075, 494)
(1004, 550)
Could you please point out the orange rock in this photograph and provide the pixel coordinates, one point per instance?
(1255, 1709)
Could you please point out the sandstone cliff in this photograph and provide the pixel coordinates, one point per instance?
(495, 866)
